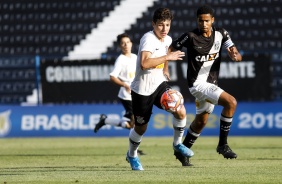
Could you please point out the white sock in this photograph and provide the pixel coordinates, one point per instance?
(178, 126)
(124, 124)
(112, 121)
(134, 141)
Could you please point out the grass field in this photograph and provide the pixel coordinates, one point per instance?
(102, 160)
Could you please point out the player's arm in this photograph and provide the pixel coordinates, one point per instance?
(148, 62)
(234, 54)
(229, 45)
(120, 83)
(166, 72)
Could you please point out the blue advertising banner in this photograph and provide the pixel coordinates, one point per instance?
(250, 119)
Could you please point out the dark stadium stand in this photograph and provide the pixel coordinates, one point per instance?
(48, 27)
(17, 79)
(51, 29)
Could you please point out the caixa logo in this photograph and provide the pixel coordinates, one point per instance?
(209, 57)
(5, 123)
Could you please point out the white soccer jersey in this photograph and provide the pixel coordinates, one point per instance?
(146, 81)
(124, 69)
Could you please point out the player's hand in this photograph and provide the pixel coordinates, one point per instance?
(234, 54)
(127, 88)
(176, 55)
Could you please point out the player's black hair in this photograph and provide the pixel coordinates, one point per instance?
(162, 14)
(121, 36)
(205, 9)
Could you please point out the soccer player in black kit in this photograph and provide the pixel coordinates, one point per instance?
(204, 46)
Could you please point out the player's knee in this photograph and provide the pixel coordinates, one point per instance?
(181, 113)
(140, 129)
(201, 120)
(232, 102)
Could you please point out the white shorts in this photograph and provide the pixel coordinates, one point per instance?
(206, 95)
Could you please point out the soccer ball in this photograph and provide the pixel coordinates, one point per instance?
(171, 100)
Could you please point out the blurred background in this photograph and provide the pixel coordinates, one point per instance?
(61, 52)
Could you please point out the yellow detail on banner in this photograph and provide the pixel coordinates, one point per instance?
(162, 121)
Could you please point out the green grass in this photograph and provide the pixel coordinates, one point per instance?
(102, 160)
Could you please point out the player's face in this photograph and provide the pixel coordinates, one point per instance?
(161, 28)
(205, 22)
(125, 45)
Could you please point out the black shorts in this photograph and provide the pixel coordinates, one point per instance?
(127, 104)
(143, 105)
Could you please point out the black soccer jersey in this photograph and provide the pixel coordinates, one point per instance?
(204, 54)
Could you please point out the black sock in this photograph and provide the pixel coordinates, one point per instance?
(225, 124)
(190, 138)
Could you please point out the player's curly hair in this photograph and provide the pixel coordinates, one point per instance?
(205, 9)
(121, 36)
(162, 14)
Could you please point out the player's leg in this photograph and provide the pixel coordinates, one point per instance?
(196, 128)
(179, 122)
(142, 109)
(104, 120)
(206, 96)
(229, 104)
(124, 122)
(129, 117)
(179, 125)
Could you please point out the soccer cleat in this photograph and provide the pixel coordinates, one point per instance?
(134, 163)
(184, 160)
(226, 151)
(100, 123)
(183, 150)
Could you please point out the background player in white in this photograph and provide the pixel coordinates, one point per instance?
(122, 75)
(204, 45)
(150, 83)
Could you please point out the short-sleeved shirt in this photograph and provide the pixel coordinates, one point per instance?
(204, 54)
(124, 69)
(147, 81)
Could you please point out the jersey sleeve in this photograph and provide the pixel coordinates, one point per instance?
(226, 40)
(180, 42)
(117, 68)
(147, 43)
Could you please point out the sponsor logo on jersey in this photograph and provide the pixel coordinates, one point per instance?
(197, 47)
(209, 57)
(217, 45)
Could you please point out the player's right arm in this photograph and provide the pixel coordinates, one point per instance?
(120, 83)
(230, 46)
(148, 62)
(114, 75)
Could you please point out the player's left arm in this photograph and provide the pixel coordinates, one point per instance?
(234, 54)
(166, 72)
(230, 46)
